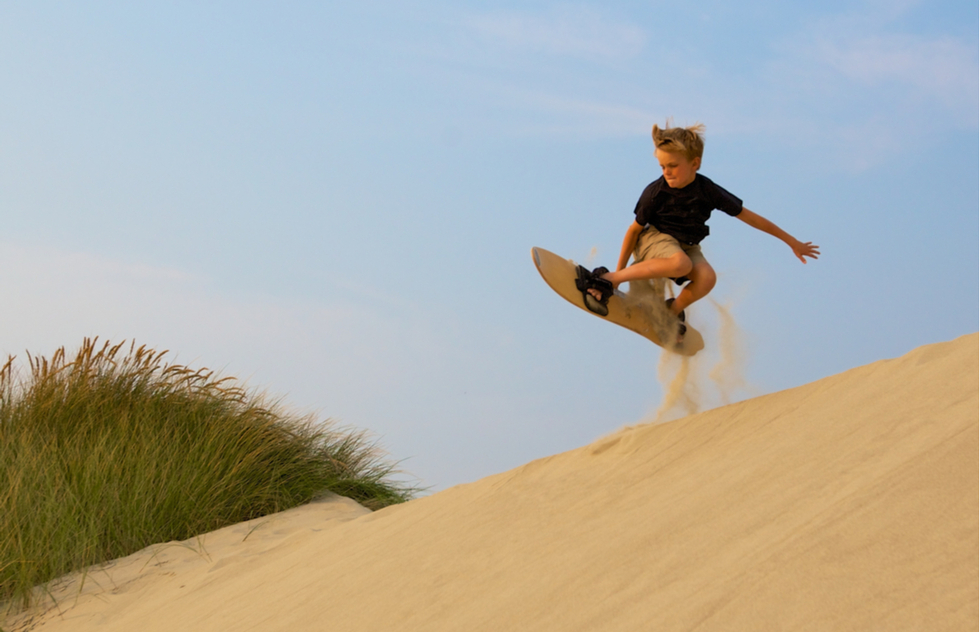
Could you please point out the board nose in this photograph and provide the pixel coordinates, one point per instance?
(537, 259)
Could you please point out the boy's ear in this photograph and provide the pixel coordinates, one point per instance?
(696, 162)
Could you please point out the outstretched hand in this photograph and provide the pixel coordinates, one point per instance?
(807, 249)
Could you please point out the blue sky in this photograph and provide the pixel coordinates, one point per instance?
(337, 203)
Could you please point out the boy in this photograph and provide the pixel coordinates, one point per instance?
(670, 223)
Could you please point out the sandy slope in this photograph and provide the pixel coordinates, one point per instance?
(846, 504)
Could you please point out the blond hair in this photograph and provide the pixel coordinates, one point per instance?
(688, 141)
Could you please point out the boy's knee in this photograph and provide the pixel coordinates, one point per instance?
(704, 275)
(682, 265)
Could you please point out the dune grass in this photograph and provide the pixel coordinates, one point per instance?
(111, 451)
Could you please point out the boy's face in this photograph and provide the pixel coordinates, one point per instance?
(679, 171)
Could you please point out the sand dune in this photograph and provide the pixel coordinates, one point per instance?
(847, 504)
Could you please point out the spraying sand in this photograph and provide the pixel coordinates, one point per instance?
(846, 504)
(685, 380)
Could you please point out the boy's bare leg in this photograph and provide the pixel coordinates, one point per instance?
(703, 279)
(676, 265)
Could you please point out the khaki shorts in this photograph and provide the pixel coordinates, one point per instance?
(653, 244)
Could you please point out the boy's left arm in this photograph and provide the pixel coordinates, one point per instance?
(800, 249)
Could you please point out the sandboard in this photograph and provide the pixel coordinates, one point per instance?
(642, 310)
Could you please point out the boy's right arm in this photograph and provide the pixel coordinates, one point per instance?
(629, 243)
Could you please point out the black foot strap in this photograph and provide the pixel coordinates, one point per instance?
(593, 281)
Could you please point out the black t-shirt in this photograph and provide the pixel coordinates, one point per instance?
(683, 213)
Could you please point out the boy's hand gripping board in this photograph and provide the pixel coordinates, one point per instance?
(650, 318)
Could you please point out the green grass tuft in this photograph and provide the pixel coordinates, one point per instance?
(114, 450)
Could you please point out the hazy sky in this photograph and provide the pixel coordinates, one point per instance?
(336, 201)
